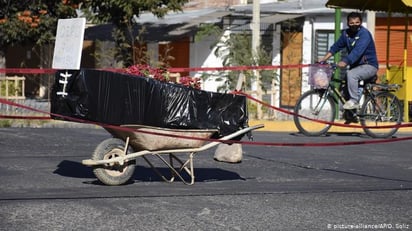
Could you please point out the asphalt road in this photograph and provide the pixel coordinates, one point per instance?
(44, 186)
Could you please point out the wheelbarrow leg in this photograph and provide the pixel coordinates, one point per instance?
(170, 180)
(175, 173)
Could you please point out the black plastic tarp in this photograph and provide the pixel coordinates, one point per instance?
(118, 98)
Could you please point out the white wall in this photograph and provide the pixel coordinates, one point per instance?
(276, 61)
(202, 55)
(307, 49)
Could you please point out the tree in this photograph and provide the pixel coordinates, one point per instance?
(32, 21)
(236, 50)
(33, 24)
(123, 15)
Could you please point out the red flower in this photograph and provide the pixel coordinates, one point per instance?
(190, 82)
(161, 74)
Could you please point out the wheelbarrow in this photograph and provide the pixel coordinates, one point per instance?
(114, 159)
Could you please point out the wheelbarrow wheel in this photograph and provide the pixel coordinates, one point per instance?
(113, 173)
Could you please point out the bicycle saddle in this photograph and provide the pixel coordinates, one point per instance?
(370, 80)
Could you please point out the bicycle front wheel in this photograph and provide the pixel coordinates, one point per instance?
(382, 110)
(312, 110)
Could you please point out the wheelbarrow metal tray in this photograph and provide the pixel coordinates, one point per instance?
(154, 138)
(119, 98)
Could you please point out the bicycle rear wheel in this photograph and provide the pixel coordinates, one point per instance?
(382, 110)
(311, 106)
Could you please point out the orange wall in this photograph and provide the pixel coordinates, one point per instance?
(396, 41)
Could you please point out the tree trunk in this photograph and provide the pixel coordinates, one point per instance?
(46, 80)
(2, 61)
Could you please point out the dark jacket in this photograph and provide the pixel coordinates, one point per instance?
(360, 46)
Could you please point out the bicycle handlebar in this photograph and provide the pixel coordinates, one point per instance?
(332, 65)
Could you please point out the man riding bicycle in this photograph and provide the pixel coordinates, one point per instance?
(361, 59)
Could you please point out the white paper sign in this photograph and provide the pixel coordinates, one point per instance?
(69, 43)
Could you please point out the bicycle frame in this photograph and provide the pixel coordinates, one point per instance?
(335, 93)
(367, 91)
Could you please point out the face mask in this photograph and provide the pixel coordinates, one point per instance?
(354, 28)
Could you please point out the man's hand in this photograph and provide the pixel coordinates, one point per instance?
(342, 64)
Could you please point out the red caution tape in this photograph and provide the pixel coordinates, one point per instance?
(172, 69)
(27, 71)
(25, 117)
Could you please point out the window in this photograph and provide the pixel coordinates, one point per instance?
(323, 41)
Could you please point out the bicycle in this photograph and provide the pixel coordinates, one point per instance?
(316, 110)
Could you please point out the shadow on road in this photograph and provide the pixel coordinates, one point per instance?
(75, 169)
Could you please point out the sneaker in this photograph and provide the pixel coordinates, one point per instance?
(350, 117)
(350, 104)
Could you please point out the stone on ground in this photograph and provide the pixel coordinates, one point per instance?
(229, 153)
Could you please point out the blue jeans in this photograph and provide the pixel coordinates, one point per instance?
(354, 75)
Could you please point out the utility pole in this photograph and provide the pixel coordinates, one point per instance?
(370, 20)
(255, 47)
(338, 21)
